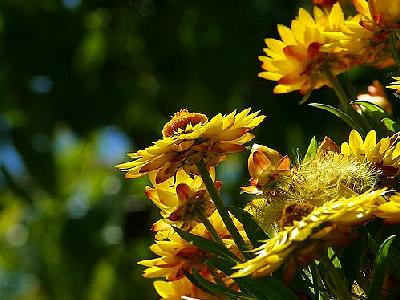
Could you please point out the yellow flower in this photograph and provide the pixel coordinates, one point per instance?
(182, 200)
(177, 256)
(390, 211)
(300, 243)
(265, 165)
(363, 38)
(299, 60)
(175, 290)
(370, 28)
(395, 85)
(381, 14)
(385, 154)
(189, 138)
(312, 182)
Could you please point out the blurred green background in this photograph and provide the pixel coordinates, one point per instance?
(82, 82)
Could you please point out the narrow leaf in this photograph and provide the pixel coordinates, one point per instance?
(268, 288)
(253, 230)
(215, 288)
(381, 263)
(351, 258)
(391, 125)
(341, 114)
(207, 245)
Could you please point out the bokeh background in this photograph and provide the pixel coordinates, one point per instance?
(82, 82)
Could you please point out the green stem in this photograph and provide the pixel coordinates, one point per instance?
(205, 175)
(210, 229)
(393, 46)
(338, 88)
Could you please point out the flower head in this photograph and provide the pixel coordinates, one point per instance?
(176, 256)
(301, 242)
(189, 138)
(379, 15)
(395, 85)
(175, 290)
(299, 60)
(183, 200)
(325, 176)
(265, 166)
(384, 154)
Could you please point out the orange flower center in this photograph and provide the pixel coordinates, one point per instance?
(180, 120)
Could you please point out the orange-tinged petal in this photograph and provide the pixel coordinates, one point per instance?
(156, 163)
(261, 163)
(184, 192)
(284, 164)
(296, 52)
(166, 172)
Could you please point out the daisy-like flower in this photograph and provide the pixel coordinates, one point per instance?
(395, 85)
(385, 154)
(302, 241)
(363, 38)
(189, 138)
(299, 61)
(175, 290)
(265, 165)
(177, 256)
(379, 15)
(183, 200)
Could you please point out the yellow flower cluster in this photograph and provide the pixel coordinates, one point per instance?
(327, 43)
(330, 224)
(384, 154)
(178, 190)
(317, 203)
(176, 256)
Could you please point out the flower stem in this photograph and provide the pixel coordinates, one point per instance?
(223, 211)
(211, 229)
(339, 90)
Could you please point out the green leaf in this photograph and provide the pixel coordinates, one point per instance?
(333, 278)
(311, 150)
(215, 288)
(341, 114)
(351, 258)
(263, 288)
(374, 115)
(268, 287)
(381, 263)
(207, 245)
(373, 110)
(253, 230)
(391, 125)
